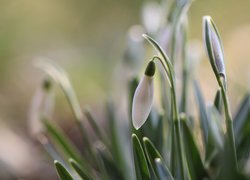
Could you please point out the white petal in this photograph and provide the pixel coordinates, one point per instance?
(42, 104)
(216, 45)
(218, 52)
(142, 101)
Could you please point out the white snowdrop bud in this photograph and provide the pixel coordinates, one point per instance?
(213, 46)
(143, 97)
(42, 105)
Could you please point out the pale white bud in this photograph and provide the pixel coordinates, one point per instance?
(143, 97)
(42, 105)
(214, 46)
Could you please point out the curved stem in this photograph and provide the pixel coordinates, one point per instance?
(229, 121)
(169, 71)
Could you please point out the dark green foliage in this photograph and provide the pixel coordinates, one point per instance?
(62, 171)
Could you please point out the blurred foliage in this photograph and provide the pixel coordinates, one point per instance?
(88, 38)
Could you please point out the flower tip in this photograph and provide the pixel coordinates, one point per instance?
(206, 18)
(136, 124)
(144, 35)
(150, 70)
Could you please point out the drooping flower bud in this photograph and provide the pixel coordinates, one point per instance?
(42, 105)
(214, 46)
(143, 97)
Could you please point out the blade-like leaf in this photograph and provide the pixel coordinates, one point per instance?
(110, 167)
(242, 130)
(215, 126)
(242, 117)
(152, 153)
(141, 167)
(61, 78)
(98, 131)
(83, 173)
(118, 147)
(62, 171)
(194, 162)
(57, 135)
(211, 134)
(153, 129)
(162, 171)
(218, 100)
(202, 111)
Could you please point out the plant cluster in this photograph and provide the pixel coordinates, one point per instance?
(165, 143)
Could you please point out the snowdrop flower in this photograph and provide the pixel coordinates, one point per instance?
(42, 105)
(143, 97)
(214, 46)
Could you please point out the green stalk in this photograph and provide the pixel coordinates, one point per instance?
(229, 121)
(185, 73)
(170, 73)
(175, 111)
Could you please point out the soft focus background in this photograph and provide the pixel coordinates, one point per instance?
(88, 38)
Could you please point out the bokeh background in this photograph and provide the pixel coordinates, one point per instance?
(88, 38)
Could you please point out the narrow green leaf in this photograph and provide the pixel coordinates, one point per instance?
(83, 173)
(59, 137)
(162, 171)
(141, 167)
(202, 111)
(118, 147)
(62, 171)
(211, 134)
(218, 101)
(215, 126)
(179, 168)
(194, 162)
(111, 168)
(152, 153)
(242, 130)
(159, 134)
(242, 117)
(61, 78)
(50, 148)
(98, 131)
(153, 129)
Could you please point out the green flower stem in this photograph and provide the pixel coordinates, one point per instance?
(170, 73)
(175, 110)
(185, 72)
(229, 121)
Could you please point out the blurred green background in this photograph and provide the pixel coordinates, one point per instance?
(88, 38)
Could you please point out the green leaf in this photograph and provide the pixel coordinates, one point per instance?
(242, 130)
(194, 162)
(162, 171)
(218, 100)
(202, 112)
(242, 117)
(211, 134)
(152, 153)
(58, 136)
(62, 171)
(110, 167)
(141, 167)
(215, 126)
(61, 78)
(118, 144)
(98, 131)
(159, 134)
(83, 173)
(153, 128)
